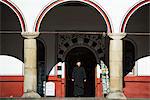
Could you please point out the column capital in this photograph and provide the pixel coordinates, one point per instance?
(30, 35)
(117, 36)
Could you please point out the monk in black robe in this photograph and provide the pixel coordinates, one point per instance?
(78, 77)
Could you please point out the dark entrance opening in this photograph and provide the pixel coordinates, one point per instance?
(89, 62)
(128, 57)
(41, 69)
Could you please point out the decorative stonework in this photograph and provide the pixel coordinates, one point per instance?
(67, 42)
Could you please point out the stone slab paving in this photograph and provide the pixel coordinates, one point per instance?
(69, 98)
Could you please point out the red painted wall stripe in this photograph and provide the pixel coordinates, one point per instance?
(135, 86)
(11, 78)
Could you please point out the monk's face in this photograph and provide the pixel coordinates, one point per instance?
(78, 64)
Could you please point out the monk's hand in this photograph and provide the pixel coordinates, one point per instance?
(84, 80)
(72, 80)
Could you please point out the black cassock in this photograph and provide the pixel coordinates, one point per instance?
(78, 75)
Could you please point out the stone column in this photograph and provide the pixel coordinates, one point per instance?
(116, 66)
(30, 67)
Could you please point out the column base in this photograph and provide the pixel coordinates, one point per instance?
(116, 95)
(31, 94)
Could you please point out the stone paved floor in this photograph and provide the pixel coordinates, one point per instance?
(77, 98)
(80, 98)
(57, 98)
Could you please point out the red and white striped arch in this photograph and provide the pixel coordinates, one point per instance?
(17, 12)
(130, 12)
(57, 2)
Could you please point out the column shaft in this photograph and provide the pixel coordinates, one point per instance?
(30, 65)
(115, 62)
(116, 66)
(30, 73)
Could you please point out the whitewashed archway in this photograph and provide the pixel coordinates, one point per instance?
(17, 12)
(130, 12)
(89, 2)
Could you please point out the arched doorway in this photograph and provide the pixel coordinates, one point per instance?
(11, 45)
(74, 18)
(136, 24)
(89, 62)
(11, 26)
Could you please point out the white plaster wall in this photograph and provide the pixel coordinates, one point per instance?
(11, 66)
(116, 10)
(143, 68)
